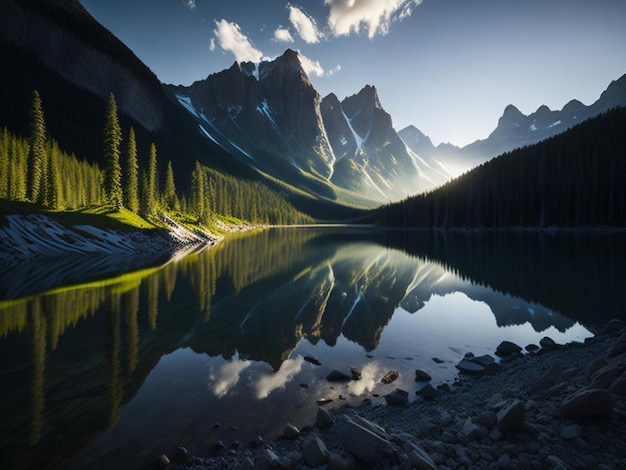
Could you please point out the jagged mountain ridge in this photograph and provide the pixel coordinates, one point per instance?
(271, 116)
(515, 129)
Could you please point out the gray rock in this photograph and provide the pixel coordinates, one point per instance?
(474, 430)
(363, 439)
(531, 348)
(496, 435)
(572, 431)
(556, 463)
(290, 431)
(619, 347)
(267, 460)
(614, 325)
(549, 379)
(503, 461)
(594, 366)
(164, 460)
(324, 419)
(398, 397)
(390, 377)
(469, 367)
(338, 462)
(487, 419)
(314, 450)
(428, 392)
(356, 373)
(506, 348)
(312, 359)
(606, 376)
(485, 360)
(338, 376)
(586, 403)
(511, 416)
(421, 376)
(618, 387)
(418, 457)
(448, 437)
(547, 343)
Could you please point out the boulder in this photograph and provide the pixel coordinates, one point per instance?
(390, 376)
(338, 462)
(549, 379)
(485, 360)
(506, 349)
(314, 450)
(474, 430)
(290, 460)
(338, 376)
(619, 347)
(547, 343)
(613, 325)
(267, 460)
(356, 373)
(511, 415)
(290, 431)
(487, 419)
(312, 359)
(586, 403)
(421, 376)
(531, 348)
(428, 392)
(398, 397)
(467, 366)
(418, 457)
(164, 461)
(324, 419)
(572, 431)
(606, 376)
(364, 440)
(618, 387)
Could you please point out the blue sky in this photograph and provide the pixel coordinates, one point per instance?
(449, 67)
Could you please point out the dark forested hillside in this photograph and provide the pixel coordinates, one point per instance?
(575, 179)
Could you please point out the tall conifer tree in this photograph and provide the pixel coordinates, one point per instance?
(131, 181)
(112, 142)
(37, 150)
(170, 200)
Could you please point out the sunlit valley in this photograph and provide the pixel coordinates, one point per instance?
(186, 266)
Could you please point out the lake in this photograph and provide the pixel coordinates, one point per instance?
(113, 370)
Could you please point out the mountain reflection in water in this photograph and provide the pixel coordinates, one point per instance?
(152, 359)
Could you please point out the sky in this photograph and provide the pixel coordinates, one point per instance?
(448, 67)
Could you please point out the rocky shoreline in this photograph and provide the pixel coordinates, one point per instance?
(553, 406)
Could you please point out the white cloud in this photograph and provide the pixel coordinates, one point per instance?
(191, 4)
(334, 70)
(212, 44)
(304, 25)
(282, 35)
(310, 66)
(229, 376)
(269, 382)
(231, 39)
(373, 16)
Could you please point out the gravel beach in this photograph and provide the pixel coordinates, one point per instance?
(544, 406)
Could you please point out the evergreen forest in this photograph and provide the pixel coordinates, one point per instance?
(575, 179)
(36, 170)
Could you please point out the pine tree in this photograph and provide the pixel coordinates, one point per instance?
(170, 201)
(113, 169)
(37, 150)
(198, 191)
(131, 181)
(150, 184)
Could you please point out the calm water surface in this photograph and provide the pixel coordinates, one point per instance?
(111, 373)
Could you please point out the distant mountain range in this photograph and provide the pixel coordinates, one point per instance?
(259, 121)
(515, 130)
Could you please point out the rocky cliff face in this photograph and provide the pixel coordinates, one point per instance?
(370, 155)
(270, 114)
(70, 42)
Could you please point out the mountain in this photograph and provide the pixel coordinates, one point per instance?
(573, 179)
(515, 130)
(268, 115)
(370, 156)
(271, 117)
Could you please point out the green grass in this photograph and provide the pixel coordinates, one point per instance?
(104, 216)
